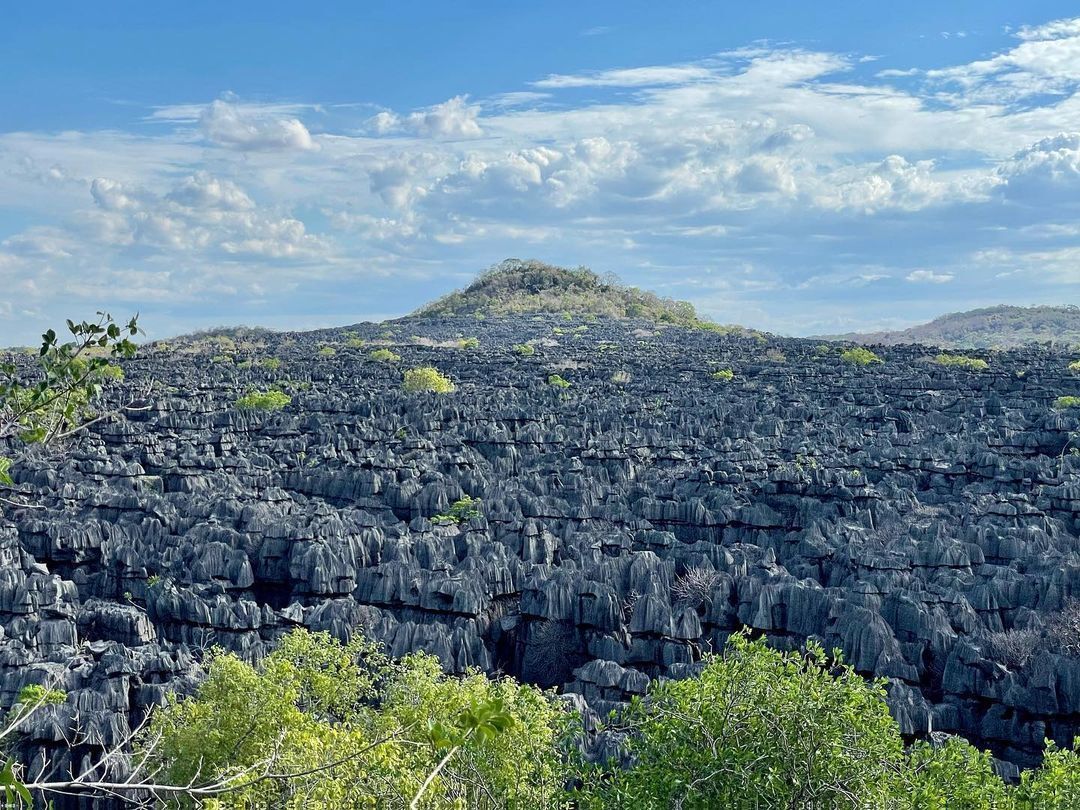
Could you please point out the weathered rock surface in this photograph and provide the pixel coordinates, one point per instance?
(901, 512)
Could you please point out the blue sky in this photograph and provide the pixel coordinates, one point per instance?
(798, 167)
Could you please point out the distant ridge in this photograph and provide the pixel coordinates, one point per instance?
(521, 286)
(1000, 327)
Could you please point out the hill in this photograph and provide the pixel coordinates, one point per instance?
(999, 327)
(517, 286)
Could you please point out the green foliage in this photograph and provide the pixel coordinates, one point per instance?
(953, 776)
(558, 381)
(962, 361)
(1061, 403)
(427, 378)
(363, 730)
(859, 356)
(469, 343)
(5, 471)
(327, 351)
(112, 373)
(775, 356)
(66, 379)
(272, 400)
(724, 374)
(460, 510)
(270, 363)
(153, 581)
(1055, 785)
(758, 728)
(384, 356)
(222, 359)
(1074, 366)
(524, 349)
(356, 343)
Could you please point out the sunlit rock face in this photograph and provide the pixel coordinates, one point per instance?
(903, 512)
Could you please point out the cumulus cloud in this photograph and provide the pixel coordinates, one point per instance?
(1045, 171)
(454, 118)
(232, 125)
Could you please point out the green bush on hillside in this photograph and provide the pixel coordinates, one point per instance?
(724, 374)
(263, 401)
(327, 351)
(558, 381)
(859, 356)
(469, 343)
(427, 378)
(962, 361)
(1075, 366)
(461, 510)
(384, 356)
(524, 349)
(270, 363)
(1061, 403)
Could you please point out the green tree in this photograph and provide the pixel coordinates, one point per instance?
(758, 728)
(53, 398)
(322, 724)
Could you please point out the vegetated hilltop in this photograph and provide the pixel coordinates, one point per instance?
(517, 286)
(999, 327)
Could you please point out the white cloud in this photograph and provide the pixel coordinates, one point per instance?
(230, 124)
(629, 77)
(928, 277)
(454, 118)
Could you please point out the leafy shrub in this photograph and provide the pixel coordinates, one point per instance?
(724, 374)
(1075, 366)
(558, 381)
(270, 363)
(469, 343)
(953, 775)
(327, 351)
(355, 343)
(427, 378)
(360, 730)
(384, 356)
(859, 356)
(775, 356)
(758, 728)
(113, 373)
(1055, 785)
(524, 349)
(1061, 403)
(460, 511)
(962, 361)
(272, 400)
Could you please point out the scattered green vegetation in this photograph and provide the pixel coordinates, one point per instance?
(524, 349)
(775, 356)
(461, 510)
(558, 381)
(859, 356)
(962, 361)
(385, 356)
(356, 343)
(112, 373)
(270, 363)
(153, 580)
(822, 350)
(1061, 403)
(1074, 366)
(327, 351)
(725, 374)
(427, 378)
(269, 401)
(222, 358)
(469, 343)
